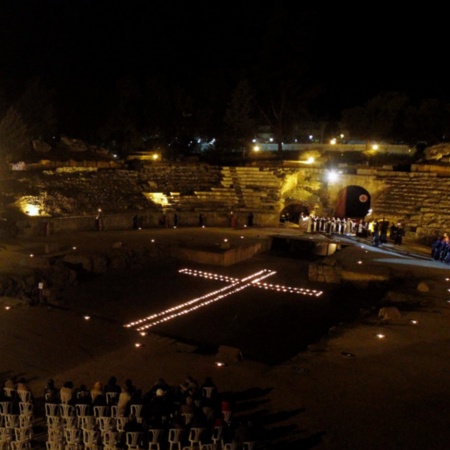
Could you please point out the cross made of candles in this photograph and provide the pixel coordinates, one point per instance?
(233, 286)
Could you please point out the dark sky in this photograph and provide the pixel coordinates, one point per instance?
(81, 47)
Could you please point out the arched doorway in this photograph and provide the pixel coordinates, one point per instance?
(292, 213)
(353, 201)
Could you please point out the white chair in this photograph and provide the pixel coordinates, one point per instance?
(18, 445)
(82, 410)
(52, 409)
(115, 411)
(55, 435)
(100, 411)
(227, 417)
(110, 440)
(9, 392)
(73, 438)
(54, 422)
(194, 437)
(111, 398)
(105, 423)
(208, 391)
(11, 421)
(6, 436)
(5, 408)
(25, 396)
(120, 423)
(50, 445)
(23, 434)
(25, 421)
(187, 417)
(66, 410)
(174, 438)
(69, 422)
(86, 422)
(154, 436)
(26, 408)
(217, 435)
(136, 411)
(230, 446)
(22, 439)
(91, 439)
(133, 440)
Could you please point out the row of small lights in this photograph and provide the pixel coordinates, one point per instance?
(198, 302)
(291, 290)
(234, 281)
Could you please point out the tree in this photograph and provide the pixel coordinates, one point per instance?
(36, 107)
(381, 118)
(239, 116)
(14, 137)
(283, 76)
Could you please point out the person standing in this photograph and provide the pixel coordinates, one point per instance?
(399, 233)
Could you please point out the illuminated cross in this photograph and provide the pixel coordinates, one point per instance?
(234, 285)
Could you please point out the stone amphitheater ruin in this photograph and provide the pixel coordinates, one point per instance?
(66, 196)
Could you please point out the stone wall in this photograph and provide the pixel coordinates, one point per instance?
(69, 197)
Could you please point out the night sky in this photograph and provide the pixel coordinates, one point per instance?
(81, 47)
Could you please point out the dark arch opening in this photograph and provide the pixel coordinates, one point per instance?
(292, 212)
(354, 202)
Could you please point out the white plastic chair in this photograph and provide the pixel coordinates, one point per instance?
(66, 410)
(110, 440)
(207, 391)
(115, 411)
(217, 435)
(6, 436)
(25, 396)
(50, 445)
(23, 434)
(69, 422)
(111, 398)
(5, 408)
(154, 436)
(227, 416)
(91, 439)
(194, 437)
(133, 440)
(86, 422)
(120, 423)
(22, 439)
(11, 421)
(82, 409)
(136, 411)
(100, 411)
(52, 409)
(187, 417)
(9, 392)
(105, 423)
(230, 446)
(73, 438)
(55, 435)
(26, 408)
(25, 421)
(54, 422)
(174, 438)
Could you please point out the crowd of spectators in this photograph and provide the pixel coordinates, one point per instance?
(190, 404)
